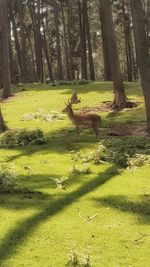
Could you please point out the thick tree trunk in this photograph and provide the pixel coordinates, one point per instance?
(142, 49)
(3, 126)
(110, 39)
(4, 39)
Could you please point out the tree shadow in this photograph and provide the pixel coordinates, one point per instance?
(61, 141)
(18, 235)
(140, 208)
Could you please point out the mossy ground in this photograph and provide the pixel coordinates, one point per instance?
(41, 228)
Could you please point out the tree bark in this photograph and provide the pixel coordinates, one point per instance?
(59, 56)
(142, 49)
(82, 42)
(107, 68)
(3, 126)
(4, 39)
(90, 55)
(120, 98)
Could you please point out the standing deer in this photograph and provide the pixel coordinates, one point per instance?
(82, 120)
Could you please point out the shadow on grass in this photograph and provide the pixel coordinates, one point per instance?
(61, 141)
(23, 199)
(141, 208)
(18, 235)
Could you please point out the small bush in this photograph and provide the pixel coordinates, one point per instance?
(77, 171)
(78, 260)
(23, 137)
(81, 82)
(138, 161)
(7, 178)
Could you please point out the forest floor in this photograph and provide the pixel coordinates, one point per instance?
(101, 216)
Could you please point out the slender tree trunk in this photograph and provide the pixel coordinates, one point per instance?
(70, 25)
(65, 44)
(38, 43)
(82, 42)
(90, 55)
(24, 71)
(127, 37)
(4, 39)
(142, 49)
(110, 39)
(59, 56)
(48, 58)
(33, 75)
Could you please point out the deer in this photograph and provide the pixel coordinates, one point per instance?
(82, 120)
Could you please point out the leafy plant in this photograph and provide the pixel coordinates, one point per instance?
(79, 260)
(7, 177)
(76, 171)
(23, 137)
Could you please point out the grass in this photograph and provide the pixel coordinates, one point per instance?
(40, 226)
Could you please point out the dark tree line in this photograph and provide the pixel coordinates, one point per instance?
(71, 39)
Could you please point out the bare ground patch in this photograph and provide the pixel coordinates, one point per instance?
(107, 107)
(128, 129)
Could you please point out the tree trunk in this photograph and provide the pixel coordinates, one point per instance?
(70, 24)
(120, 98)
(127, 37)
(59, 56)
(142, 49)
(90, 56)
(4, 39)
(24, 71)
(3, 126)
(82, 42)
(107, 68)
(65, 44)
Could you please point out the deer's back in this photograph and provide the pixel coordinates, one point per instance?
(86, 120)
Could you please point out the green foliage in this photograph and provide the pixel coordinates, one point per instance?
(138, 160)
(21, 138)
(125, 153)
(74, 82)
(7, 177)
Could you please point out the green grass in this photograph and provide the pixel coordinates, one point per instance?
(42, 227)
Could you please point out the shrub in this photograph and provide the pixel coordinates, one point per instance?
(23, 137)
(77, 171)
(138, 160)
(78, 260)
(7, 177)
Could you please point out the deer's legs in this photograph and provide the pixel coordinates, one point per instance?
(96, 130)
(78, 130)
